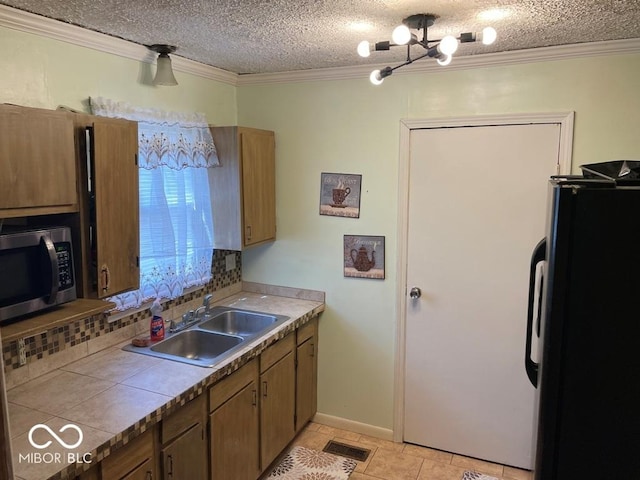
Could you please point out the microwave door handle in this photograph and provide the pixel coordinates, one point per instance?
(55, 274)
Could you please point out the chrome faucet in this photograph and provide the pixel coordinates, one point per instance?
(203, 310)
(188, 318)
(192, 316)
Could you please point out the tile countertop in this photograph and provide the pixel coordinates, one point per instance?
(114, 395)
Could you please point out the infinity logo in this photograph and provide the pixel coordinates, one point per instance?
(53, 434)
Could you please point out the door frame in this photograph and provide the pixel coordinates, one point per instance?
(564, 119)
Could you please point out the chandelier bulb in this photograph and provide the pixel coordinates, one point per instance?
(444, 61)
(376, 78)
(489, 35)
(448, 45)
(401, 35)
(364, 49)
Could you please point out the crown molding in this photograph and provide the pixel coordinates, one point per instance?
(65, 32)
(38, 25)
(541, 54)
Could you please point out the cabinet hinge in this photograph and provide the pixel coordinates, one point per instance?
(137, 261)
(136, 159)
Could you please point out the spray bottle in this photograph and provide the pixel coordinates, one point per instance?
(157, 324)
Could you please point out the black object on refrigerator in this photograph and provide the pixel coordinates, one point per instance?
(588, 376)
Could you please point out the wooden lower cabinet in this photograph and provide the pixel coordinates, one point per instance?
(306, 373)
(134, 461)
(185, 457)
(234, 426)
(277, 399)
(183, 454)
(251, 416)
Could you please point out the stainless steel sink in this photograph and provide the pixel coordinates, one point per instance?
(196, 347)
(220, 334)
(239, 322)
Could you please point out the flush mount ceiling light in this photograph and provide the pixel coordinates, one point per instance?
(441, 49)
(164, 73)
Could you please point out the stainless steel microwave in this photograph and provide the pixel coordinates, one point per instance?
(36, 271)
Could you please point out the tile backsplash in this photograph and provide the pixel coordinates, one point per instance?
(63, 344)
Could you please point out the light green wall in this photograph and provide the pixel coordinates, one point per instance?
(353, 127)
(40, 72)
(341, 126)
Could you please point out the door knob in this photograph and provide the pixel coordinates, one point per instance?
(415, 292)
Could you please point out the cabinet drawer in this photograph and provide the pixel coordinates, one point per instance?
(276, 351)
(183, 419)
(307, 331)
(125, 460)
(229, 386)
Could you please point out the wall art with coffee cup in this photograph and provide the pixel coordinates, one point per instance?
(340, 194)
(364, 256)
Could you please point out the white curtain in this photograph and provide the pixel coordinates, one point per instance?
(176, 227)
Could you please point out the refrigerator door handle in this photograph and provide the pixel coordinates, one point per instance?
(539, 254)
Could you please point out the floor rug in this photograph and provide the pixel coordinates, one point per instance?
(469, 475)
(303, 463)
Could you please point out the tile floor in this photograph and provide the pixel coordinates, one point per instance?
(398, 461)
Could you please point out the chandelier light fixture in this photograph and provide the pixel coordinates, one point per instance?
(164, 72)
(441, 49)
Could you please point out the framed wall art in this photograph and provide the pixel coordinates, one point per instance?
(364, 256)
(340, 194)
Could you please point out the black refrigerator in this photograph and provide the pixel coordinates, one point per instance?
(588, 323)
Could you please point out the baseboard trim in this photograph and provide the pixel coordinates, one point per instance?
(353, 426)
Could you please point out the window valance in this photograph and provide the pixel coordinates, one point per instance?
(172, 139)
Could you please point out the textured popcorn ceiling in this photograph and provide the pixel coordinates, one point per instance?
(251, 36)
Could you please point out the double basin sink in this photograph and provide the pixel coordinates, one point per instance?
(219, 334)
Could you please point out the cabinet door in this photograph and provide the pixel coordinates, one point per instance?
(37, 162)
(306, 382)
(258, 185)
(234, 432)
(277, 408)
(115, 176)
(186, 457)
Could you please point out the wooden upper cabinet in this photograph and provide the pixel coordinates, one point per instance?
(37, 162)
(243, 188)
(115, 189)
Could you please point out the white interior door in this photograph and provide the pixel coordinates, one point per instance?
(477, 208)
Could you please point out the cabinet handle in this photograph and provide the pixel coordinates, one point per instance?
(149, 475)
(254, 400)
(170, 469)
(106, 277)
(313, 349)
(248, 232)
(264, 389)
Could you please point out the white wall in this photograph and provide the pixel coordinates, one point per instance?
(351, 126)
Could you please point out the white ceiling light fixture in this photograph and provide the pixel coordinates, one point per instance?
(164, 72)
(441, 49)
